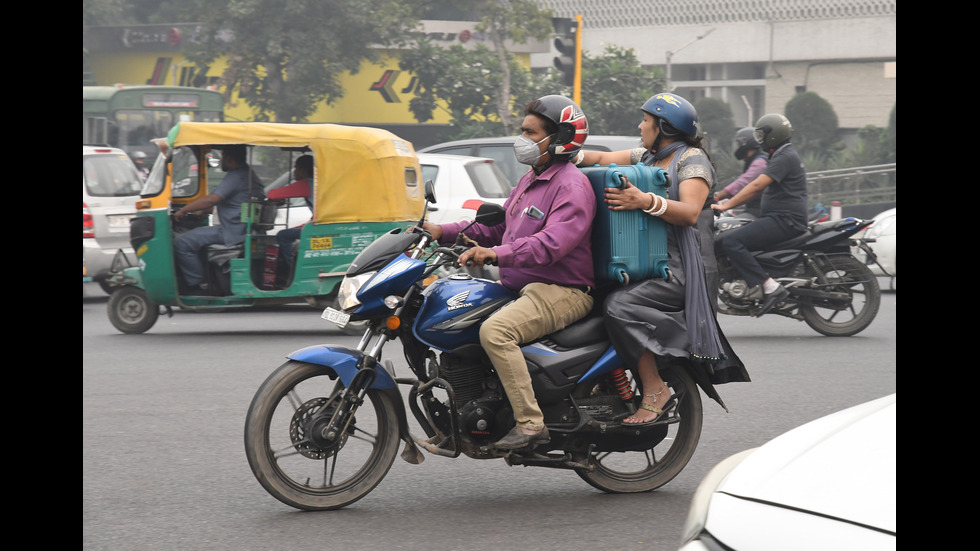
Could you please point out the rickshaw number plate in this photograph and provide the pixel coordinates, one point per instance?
(335, 316)
(321, 242)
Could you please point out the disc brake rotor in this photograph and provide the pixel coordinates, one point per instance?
(306, 430)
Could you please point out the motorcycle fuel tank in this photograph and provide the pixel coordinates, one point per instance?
(454, 308)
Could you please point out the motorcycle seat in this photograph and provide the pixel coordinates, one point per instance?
(588, 330)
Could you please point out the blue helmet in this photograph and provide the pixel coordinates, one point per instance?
(679, 114)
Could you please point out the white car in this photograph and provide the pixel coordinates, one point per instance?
(461, 182)
(828, 484)
(110, 188)
(882, 230)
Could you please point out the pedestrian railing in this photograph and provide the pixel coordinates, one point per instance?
(852, 186)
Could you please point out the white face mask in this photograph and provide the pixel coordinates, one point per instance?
(526, 151)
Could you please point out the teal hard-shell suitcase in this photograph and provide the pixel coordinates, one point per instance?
(630, 245)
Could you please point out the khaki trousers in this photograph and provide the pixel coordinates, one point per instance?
(540, 309)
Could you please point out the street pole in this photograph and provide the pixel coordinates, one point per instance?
(577, 85)
(670, 55)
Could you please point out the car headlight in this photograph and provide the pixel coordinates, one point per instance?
(347, 295)
(697, 515)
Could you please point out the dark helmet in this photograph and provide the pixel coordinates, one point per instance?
(773, 130)
(681, 117)
(745, 142)
(573, 126)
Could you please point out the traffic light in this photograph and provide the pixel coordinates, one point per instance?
(567, 43)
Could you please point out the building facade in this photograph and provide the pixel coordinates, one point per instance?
(755, 54)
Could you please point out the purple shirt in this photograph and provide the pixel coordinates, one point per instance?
(555, 248)
(755, 169)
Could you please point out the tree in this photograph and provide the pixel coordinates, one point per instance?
(286, 57)
(717, 124)
(516, 20)
(889, 141)
(100, 12)
(477, 83)
(614, 87)
(106, 12)
(718, 129)
(467, 82)
(814, 126)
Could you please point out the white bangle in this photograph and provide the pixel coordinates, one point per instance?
(661, 210)
(579, 158)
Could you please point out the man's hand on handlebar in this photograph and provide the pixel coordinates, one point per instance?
(478, 256)
(434, 229)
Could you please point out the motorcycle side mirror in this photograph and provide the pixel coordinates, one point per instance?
(430, 197)
(490, 214)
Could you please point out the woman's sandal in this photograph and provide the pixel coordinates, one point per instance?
(669, 405)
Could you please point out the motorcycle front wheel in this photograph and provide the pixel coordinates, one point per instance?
(843, 274)
(297, 459)
(643, 471)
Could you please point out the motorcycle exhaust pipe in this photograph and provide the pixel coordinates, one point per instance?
(838, 299)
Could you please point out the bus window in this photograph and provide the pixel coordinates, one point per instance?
(97, 130)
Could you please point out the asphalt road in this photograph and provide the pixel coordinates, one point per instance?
(164, 468)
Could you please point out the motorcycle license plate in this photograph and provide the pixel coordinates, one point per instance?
(335, 316)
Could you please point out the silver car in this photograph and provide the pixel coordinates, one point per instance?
(110, 188)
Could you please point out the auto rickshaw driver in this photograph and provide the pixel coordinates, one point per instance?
(228, 197)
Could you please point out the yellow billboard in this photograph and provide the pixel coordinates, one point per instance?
(378, 94)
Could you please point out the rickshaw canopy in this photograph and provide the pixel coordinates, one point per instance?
(361, 173)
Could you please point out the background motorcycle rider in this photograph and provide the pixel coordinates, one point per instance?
(543, 250)
(748, 150)
(656, 317)
(784, 207)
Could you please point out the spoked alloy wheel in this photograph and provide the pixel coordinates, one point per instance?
(846, 275)
(294, 455)
(642, 471)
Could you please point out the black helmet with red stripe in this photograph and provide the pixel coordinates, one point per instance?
(568, 123)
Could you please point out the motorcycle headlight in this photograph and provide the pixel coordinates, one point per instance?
(347, 295)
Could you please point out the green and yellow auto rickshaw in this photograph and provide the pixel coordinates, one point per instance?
(365, 183)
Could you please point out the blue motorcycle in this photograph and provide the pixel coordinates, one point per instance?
(324, 428)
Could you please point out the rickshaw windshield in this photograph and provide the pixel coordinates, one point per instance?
(157, 178)
(184, 171)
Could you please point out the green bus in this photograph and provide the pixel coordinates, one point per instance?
(129, 116)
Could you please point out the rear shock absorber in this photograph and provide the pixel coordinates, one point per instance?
(622, 384)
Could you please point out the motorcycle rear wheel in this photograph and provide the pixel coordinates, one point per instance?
(307, 472)
(846, 275)
(643, 471)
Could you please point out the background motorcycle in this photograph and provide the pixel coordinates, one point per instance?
(829, 289)
(323, 430)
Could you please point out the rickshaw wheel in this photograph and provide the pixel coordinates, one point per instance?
(131, 311)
